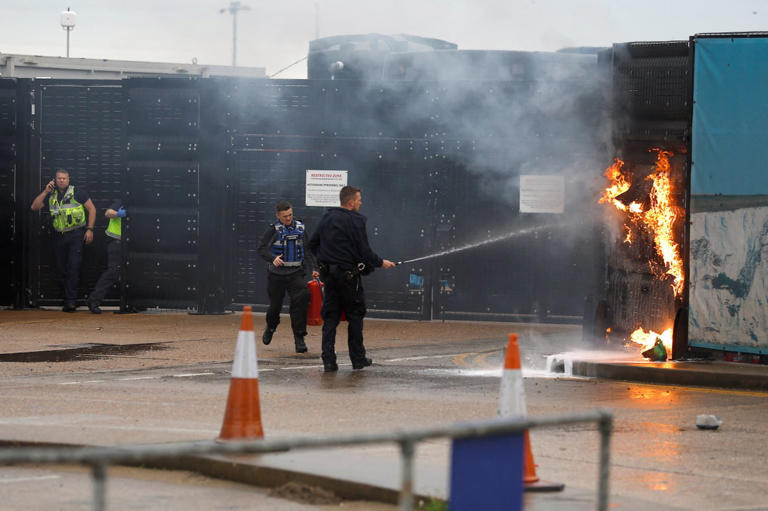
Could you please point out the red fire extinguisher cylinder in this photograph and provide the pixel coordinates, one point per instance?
(316, 303)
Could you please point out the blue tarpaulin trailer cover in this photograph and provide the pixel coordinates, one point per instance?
(729, 194)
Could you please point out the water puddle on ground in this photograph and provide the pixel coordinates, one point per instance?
(490, 373)
(558, 365)
(82, 352)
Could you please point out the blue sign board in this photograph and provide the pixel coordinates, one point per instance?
(487, 473)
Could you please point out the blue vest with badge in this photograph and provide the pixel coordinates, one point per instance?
(289, 243)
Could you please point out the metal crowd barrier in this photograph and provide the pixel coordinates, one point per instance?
(99, 458)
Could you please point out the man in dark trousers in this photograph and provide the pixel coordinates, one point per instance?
(283, 248)
(68, 206)
(115, 212)
(341, 247)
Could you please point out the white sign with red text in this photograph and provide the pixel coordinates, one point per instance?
(323, 187)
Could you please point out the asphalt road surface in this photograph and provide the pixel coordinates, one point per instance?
(174, 389)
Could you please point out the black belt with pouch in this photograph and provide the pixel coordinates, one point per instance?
(335, 270)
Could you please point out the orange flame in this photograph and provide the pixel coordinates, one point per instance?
(619, 184)
(628, 237)
(658, 220)
(647, 339)
(661, 217)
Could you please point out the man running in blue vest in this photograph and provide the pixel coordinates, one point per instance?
(68, 213)
(283, 248)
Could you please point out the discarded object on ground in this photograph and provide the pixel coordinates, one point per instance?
(705, 421)
(657, 352)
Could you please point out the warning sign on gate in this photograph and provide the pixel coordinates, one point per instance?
(323, 187)
(542, 194)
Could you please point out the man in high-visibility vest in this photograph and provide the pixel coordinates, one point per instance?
(282, 247)
(68, 206)
(115, 212)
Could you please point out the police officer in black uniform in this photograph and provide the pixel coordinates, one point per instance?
(68, 206)
(283, 247)
(341, 247)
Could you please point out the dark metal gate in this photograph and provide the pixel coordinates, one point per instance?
(200, 164)
(161, 191)
(10, 155)
(77, 126)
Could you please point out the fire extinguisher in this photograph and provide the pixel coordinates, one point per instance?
(316, 303)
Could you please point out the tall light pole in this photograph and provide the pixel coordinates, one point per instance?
(67, 22)
(233, 9)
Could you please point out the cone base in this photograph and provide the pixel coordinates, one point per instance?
(242, 420)
(543, 486)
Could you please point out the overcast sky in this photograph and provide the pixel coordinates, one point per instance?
(275, 33)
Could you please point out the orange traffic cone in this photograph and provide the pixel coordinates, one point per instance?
(242, 419)
(512, 404)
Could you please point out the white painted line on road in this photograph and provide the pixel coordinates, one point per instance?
(27, 479)
(81, 382)
(190, 375)
(314, 366)
(462, 372)
(425, 357)
(104, 381)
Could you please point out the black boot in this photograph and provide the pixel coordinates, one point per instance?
(364, 362)
(266, 337)
(301, 347)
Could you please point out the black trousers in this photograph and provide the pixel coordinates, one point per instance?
(298, 293)
(68, 254)
(347, 295)
(110, 275)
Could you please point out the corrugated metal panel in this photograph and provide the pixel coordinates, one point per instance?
(9, 281)
(161, 190)
(80, 129)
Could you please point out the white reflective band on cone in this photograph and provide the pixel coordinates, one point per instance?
(245, 365)
(512, 394)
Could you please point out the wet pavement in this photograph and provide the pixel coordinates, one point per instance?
(184, 361)
(626, 367)
(131, 488)
(70, 353)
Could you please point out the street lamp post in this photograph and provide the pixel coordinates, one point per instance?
(67, 21)
(233, 9)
